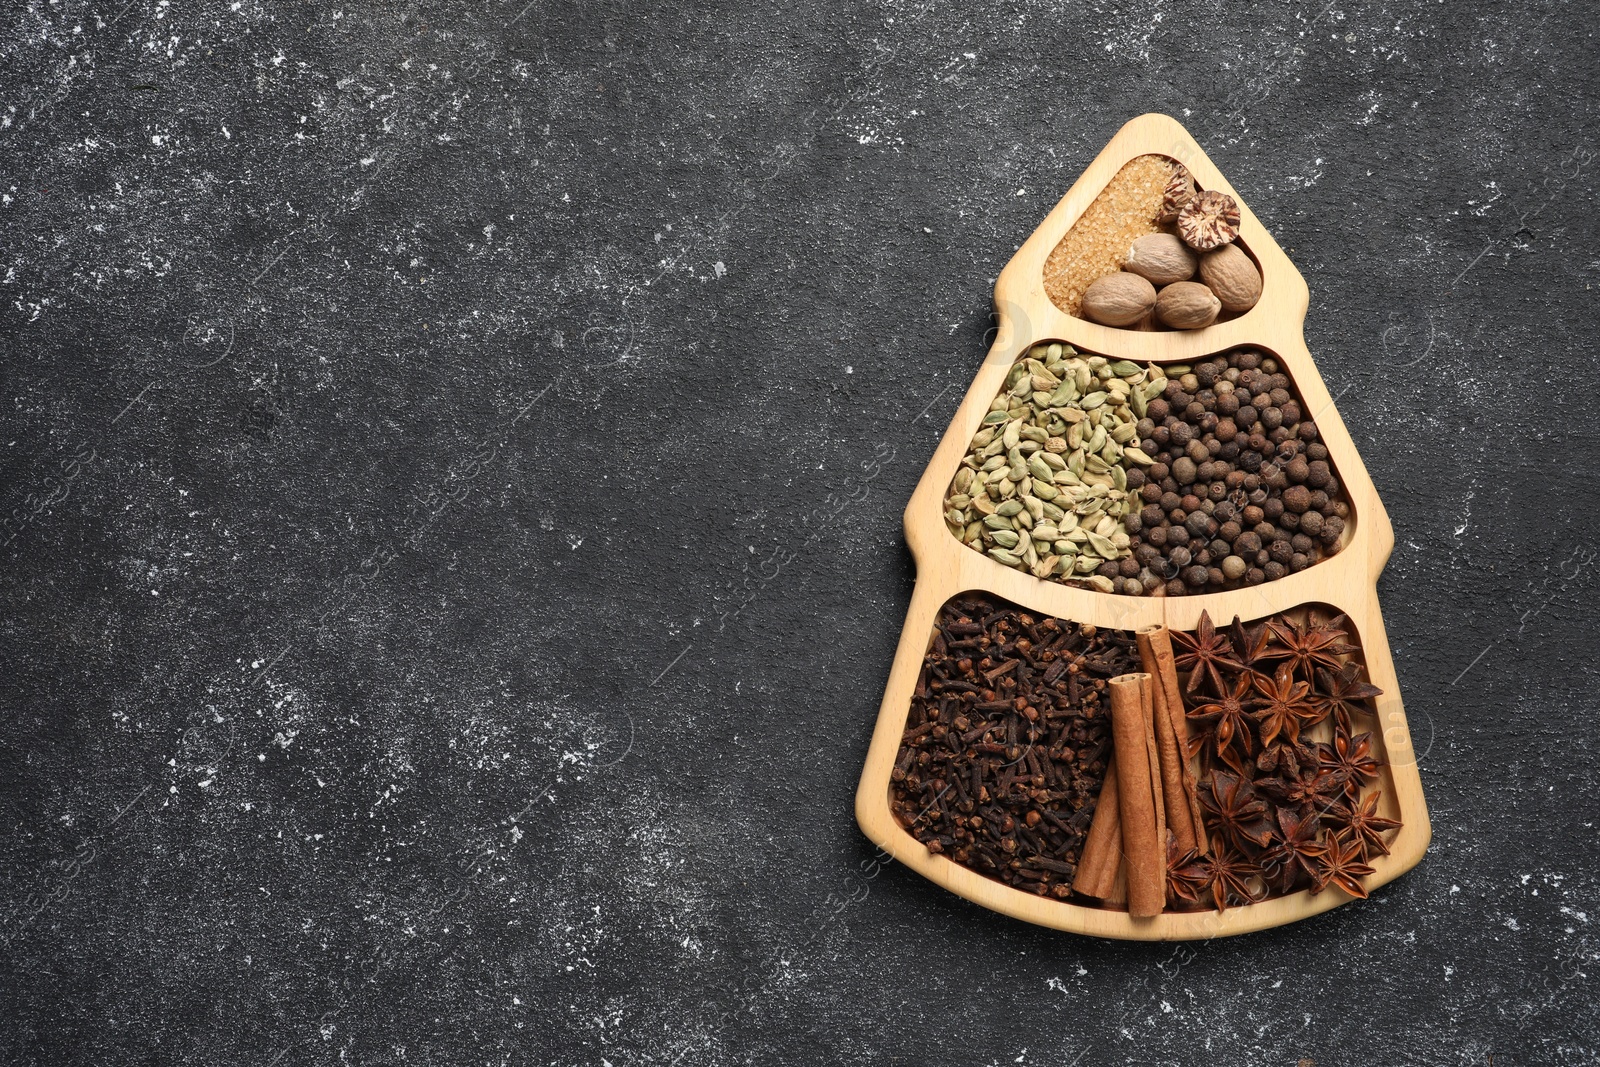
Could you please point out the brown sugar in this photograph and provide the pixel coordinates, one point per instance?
(1098, 242)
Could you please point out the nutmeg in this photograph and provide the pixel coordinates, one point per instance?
(1120, 299)
(1187, 306)
(1210, 220)
(1228, 272)
(1162, 258)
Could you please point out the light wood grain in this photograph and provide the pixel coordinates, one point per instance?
(1346, 582)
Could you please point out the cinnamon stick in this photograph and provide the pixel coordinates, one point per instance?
(1102, 849)
(1179, 789)
(1139, 803)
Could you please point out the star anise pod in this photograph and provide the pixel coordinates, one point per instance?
(1362, 825)
(1284, 706)
(1202, 652)
(1294, 852)
(1344, 693)
(1230, 723)
(1234, 810)
(1229, 875)
(1349, 760)
(1307, 791)
(1187, 875)
(1250, 646)
(1286, 759)
(1317, 644)
(1341, 865)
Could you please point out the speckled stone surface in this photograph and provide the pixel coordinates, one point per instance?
(452, 466)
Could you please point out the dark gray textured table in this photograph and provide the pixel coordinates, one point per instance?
(452, 470)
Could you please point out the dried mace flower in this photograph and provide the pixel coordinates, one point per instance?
(1208, 221)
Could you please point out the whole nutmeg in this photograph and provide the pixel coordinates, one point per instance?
(1161, 258)
(1208, 221)
(1185, 305)
(1229, 273)
(1120, 299)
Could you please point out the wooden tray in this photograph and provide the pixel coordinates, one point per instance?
(1346, 581)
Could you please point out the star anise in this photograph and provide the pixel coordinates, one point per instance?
(1307, 789)
(1250, 646)
(1229, 719)
(1202, 652)
(1187, 875)
(1341, 865)
(1344, 693)
(1362, 825)
(1235, 812)
(1294, 852)
(1229, 875)
(1285, 705)
(1317, 644)
(1286, 759)
(1349, 760)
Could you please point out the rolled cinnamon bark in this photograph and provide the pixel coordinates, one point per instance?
(1179, 793)
(1102, 849)
(1139, 802)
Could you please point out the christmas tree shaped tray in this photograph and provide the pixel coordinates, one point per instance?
(1343, 581)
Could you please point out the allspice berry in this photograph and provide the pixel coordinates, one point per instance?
(1297, 498)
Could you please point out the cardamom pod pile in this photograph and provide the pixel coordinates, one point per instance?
(1046, 483)
(1144, 480)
